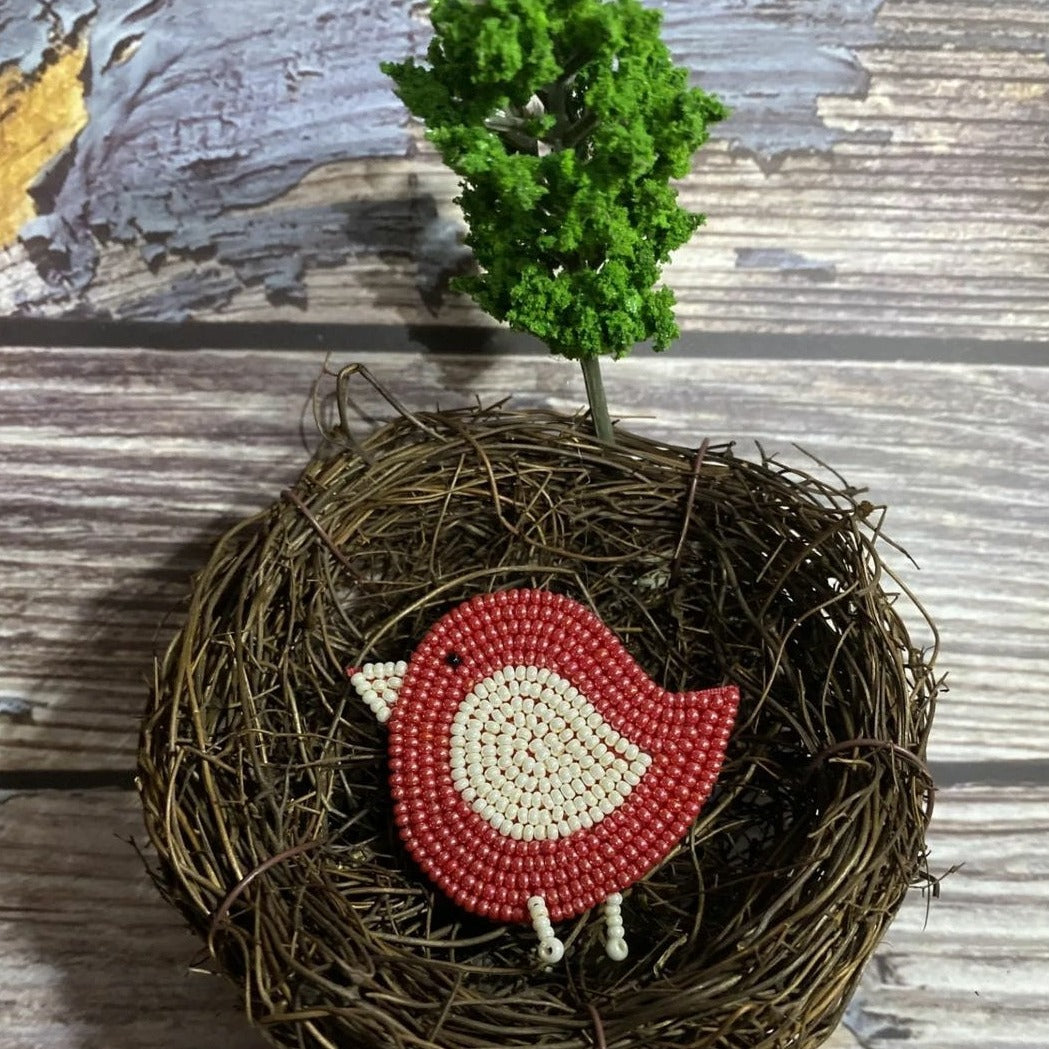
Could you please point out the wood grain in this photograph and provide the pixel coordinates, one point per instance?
(903, 194)
(122, 467)
(93, 958)
(969, 970)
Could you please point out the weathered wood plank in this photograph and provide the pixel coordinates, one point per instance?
(92, 957)
(122, 467)
(970, 970)
(883, 172)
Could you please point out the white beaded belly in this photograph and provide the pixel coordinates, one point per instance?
(530, 755)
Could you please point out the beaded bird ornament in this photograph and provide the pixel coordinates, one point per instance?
(536, 769)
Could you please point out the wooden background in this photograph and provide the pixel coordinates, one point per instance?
(198, 205)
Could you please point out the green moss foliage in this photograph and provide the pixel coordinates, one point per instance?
(566, 121)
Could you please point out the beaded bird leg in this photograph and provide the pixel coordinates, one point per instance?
(615, 938)
(551, 949)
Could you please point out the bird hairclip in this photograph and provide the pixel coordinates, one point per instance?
(536, 769)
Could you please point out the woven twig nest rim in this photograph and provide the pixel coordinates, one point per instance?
(264, 780)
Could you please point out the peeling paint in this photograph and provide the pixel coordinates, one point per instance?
(772, 62)
(785, 261)
(16, 710)
(40, 115)
(186, 144)
(274, 247)
(31, 28)
(184, 141)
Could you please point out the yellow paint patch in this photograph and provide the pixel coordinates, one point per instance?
(40, 115)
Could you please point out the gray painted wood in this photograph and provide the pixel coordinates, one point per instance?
(93, 958)
(121, 468)
(883, 172)
(969, 970)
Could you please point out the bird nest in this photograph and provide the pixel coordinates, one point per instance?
(264, 778)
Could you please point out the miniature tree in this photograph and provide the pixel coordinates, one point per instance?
(565, 120)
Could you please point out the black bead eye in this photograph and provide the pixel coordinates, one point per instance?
(453, 659)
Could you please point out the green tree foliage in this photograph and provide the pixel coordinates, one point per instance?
(566, 121)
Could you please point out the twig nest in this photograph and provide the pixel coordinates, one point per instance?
(264, 777)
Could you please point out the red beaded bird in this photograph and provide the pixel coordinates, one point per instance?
(536, 770)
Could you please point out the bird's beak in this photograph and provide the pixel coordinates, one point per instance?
(378, 684)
